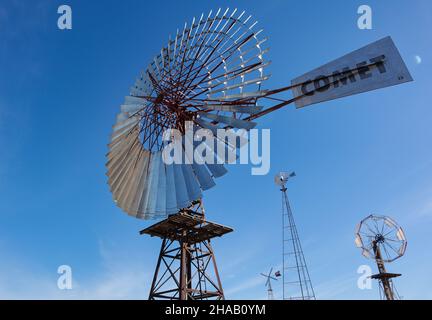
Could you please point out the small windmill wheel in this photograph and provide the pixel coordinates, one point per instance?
(380, 233)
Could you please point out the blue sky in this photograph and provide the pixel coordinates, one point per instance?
(60, 92)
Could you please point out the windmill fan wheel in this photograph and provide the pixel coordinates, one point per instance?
(209, 75)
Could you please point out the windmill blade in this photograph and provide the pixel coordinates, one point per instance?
(233, 108)
(127, 201)
(245, 95)
(215, 166)
(242, 84)
(144, 186)
(148, 200)
(133, 100)
(192, 185)
(204, 177)
(217, 170)
(131, 108)
(232, 122)
(267, 279)
(171, 192)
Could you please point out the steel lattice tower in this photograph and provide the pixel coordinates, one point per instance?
(295, 275)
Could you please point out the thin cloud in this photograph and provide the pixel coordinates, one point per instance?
(118, 279)
(335, 288)
(243, 286)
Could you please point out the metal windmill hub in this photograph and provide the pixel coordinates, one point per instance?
(384, 231)
(379, 238)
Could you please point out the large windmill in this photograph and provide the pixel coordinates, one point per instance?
(210, 75)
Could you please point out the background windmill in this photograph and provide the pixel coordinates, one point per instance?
(269, 277)
(295, 274)
(383, 240)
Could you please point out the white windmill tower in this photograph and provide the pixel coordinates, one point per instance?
(295, 275)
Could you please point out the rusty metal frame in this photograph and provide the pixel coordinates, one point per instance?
(186, 268)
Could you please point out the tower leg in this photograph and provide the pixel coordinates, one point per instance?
(295, 275)
(220, 290)
(153, 285)
(385, 282)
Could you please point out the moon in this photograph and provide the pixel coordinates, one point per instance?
(418, 59)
